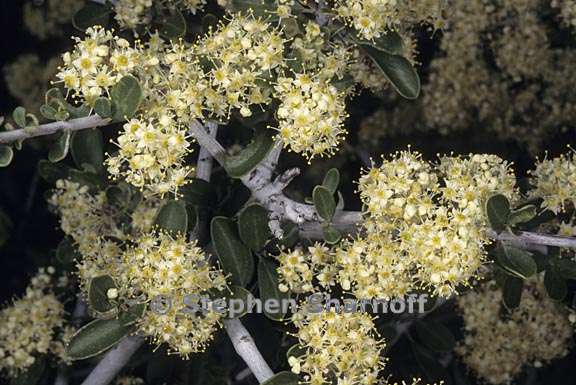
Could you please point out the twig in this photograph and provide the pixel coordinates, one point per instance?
(527, 238)
(51, 128)
(205, 160)
(247, 349)
(114, 361)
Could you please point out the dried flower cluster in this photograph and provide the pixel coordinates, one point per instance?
(497, 348)
(31, 326)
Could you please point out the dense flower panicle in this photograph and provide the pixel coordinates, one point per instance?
(160, 265)
(567, 10)
(301, 268)
(554, 182)
(90, 221)
(47, 19)
(522, 92)
(31, 326)
(341, 348)
(373, 18)
(496, 349)
(310, 115)
(469, 182)
(423, 229)
(96, 64)
(242, 55)
(131, 13)
(151, 154)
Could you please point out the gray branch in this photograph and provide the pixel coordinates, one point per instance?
(51, 128)
(246, 348)
(205, 160)
(113, 361)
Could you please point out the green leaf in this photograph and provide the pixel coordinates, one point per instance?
(19, 116)
(90, 15)
(253, 227)
(126, 96)
(390, 42)
(98, 293)
(512, 292)
(498, 212)
(566, 268)
(87, 148)
(78, 111)
(6, 155)
(172, 25)
(234, 256)
(133, 314)
(48, 112)
(198, 193)
(52, 172)
(331, 234)
(291, 234)
(516, 262)
(541, 260)
(209, 21)
(522, 215)
(96, 337)
(282, 378)
(398, 70)
(332, 180)
(32, 375)
(238, 292)
(324, 202)
(431, 368)
(251, 156)
(66, 253)
(435, 336)
(103, 107)
(60, 148)
(259, 8)
(555, 284)
(268, 287)
(173, 217)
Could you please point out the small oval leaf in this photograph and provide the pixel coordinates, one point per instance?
(498, 212)
(555, 284)
(87, 148)
(268, 288)
(60, 148)
(173, 217)
(332, 180)
(251, 156)
(435, 336)
(324, 202)
(96, 337)
(234, 256)
(126, 95)
(398, 70)
(253, 227)
(6, 155)
(98, 293)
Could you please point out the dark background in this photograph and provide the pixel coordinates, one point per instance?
(35, 233)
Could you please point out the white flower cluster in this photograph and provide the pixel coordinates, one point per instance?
(151, 154)
(554, 182)
(311, 115)
(423, 229)
(497, 348)
(31, 326)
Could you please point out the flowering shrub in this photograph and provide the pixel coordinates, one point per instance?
(174, 132)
